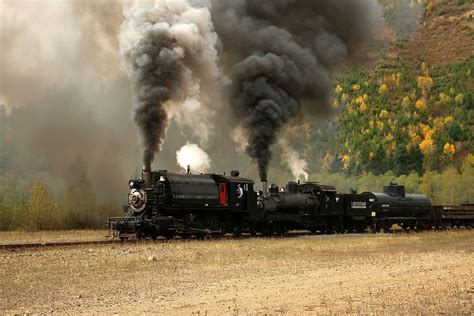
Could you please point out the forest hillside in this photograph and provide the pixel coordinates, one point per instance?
(408, 119)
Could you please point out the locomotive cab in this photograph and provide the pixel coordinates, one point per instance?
(235, 192)
(325, 194)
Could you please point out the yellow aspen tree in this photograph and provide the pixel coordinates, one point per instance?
(40, 208)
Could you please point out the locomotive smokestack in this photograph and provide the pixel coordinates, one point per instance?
(146, 176)
(265, 187)
(188, 169)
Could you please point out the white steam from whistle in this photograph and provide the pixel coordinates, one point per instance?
(291, 158)
(194, 156)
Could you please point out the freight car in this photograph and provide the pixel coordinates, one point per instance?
(162, 203)
(381, 211)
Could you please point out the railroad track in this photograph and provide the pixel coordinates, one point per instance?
(51, 244)
(19, 246)
(29, 245)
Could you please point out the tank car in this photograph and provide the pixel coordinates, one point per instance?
(394, 206)
(380, 210)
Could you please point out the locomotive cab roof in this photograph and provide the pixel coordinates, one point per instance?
(232, 179)
(311, 186)
(201, 178)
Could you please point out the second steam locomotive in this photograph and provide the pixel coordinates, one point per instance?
(166, 204)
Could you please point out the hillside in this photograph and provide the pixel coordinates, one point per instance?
(413, 111)
(408, 118)
(445, 35)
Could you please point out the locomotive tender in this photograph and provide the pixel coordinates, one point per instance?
(166, 204)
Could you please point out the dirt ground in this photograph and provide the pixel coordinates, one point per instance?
(415, 273)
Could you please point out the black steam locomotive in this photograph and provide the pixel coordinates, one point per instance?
(164, 204)
(168, 204)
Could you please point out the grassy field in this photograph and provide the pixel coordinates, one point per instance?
(413, 273)
(13, 237)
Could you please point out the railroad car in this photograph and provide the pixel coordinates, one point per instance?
(394, 206)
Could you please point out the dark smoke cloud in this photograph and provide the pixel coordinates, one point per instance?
(60, 70)
(281, 54)
(48, 44)
(170, 48)
(68, 101)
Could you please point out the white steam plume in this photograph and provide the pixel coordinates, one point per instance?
(291, 158)
(194, 156)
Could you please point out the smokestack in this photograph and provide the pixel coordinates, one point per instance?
(188, 169)
(146, 176)
(265, 187)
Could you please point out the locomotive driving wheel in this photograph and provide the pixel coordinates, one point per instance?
(202, 226)
(216, 227)
(237, 231)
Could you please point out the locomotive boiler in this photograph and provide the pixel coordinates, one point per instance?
(308, 206)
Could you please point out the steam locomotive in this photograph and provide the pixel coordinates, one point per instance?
(166, 204)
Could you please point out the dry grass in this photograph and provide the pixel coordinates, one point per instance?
(417, 273)
(13, 237)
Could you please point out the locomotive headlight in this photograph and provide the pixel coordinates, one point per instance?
(137, 200)
(131, 183)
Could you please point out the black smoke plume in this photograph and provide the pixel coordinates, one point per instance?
(281, 55)
(169, 49)
(155, 75)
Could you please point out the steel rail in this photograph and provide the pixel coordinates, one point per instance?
(51, 244)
